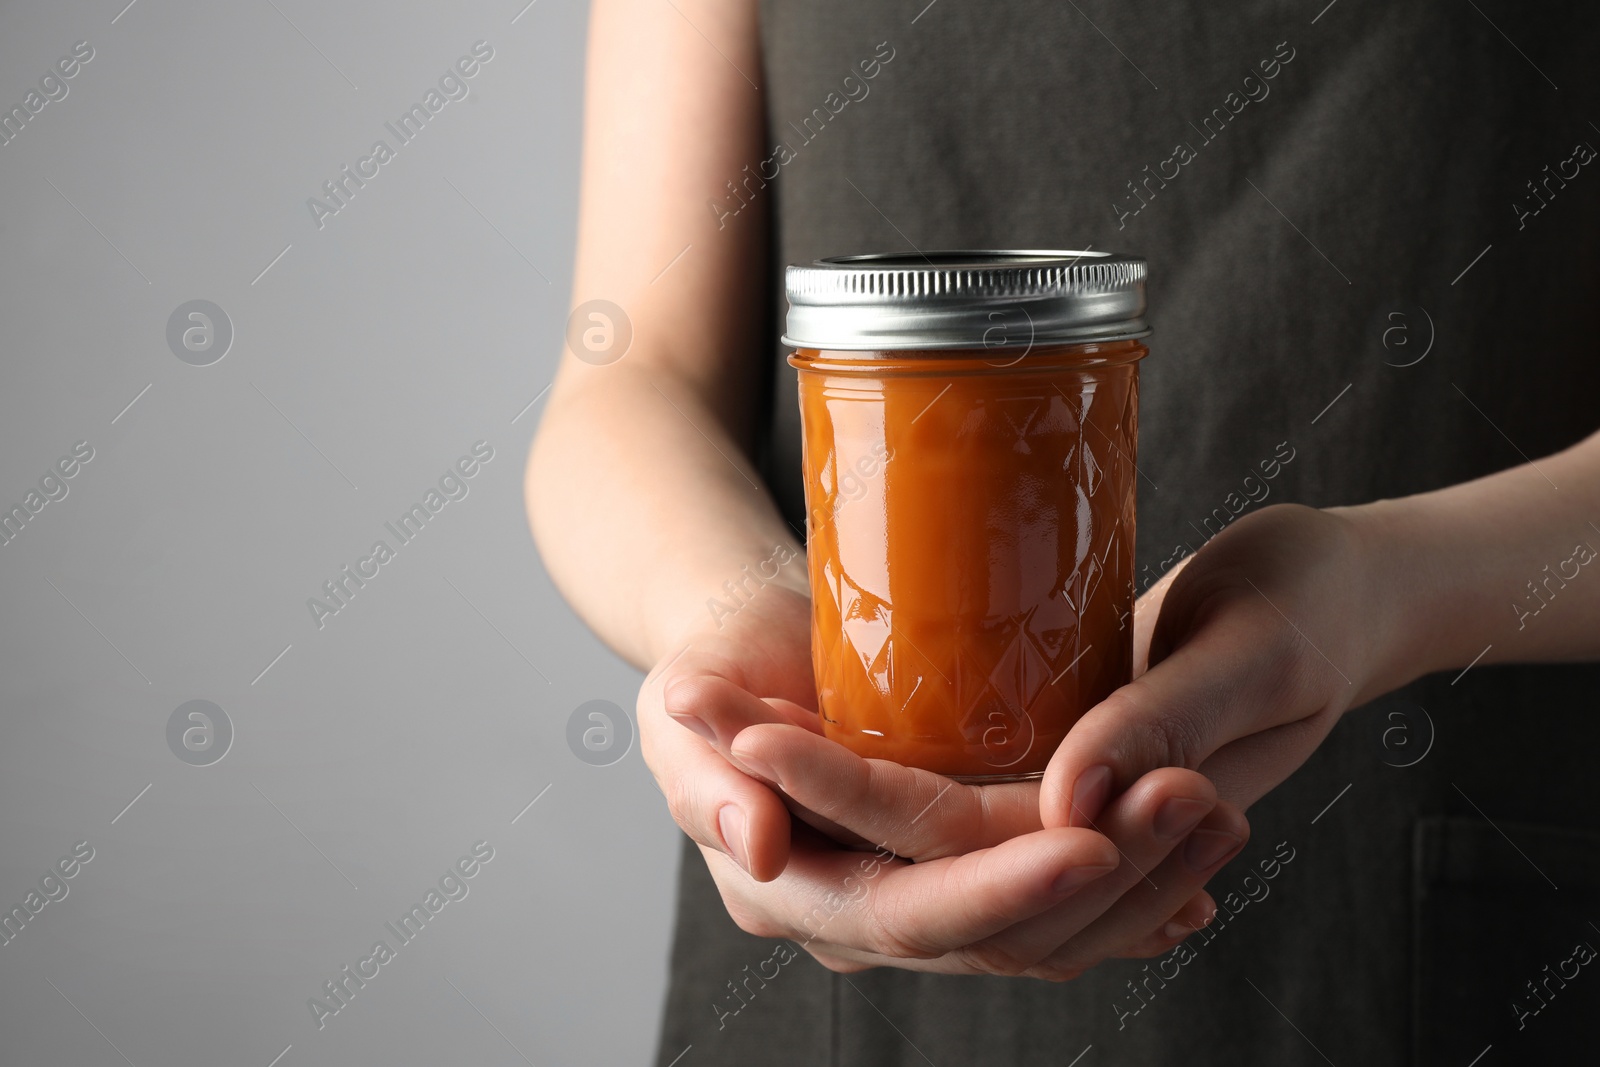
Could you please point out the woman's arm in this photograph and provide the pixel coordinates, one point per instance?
(1292, 616)
(640, 490)
(1506, 567)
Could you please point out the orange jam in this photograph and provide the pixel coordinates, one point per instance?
(970, 543)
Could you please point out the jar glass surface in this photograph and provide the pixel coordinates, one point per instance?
(970, 537)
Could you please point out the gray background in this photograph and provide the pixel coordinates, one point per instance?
(423, 317)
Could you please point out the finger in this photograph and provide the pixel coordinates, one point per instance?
(1147, 905)
(914, 813)
(1144, 824)
(841, 962)
(713, 802)
(1195, 915)
(879, 910)
(1247, 769)
(708, 696)
(1223, 684)
(711, 696)
(716, 707)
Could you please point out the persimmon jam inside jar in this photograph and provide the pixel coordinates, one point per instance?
(969, 430)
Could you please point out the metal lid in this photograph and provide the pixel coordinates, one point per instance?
(965, 299)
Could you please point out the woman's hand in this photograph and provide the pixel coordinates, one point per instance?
(1256, 645)
(963, 879)
(762, 648)
(935, 875)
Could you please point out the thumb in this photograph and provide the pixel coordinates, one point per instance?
(1217, 686)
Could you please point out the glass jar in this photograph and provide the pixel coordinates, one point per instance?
(970, 433)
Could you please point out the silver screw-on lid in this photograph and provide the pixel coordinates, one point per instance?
(1010, 300)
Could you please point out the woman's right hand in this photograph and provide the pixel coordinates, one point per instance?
(762, 648)
(935, 875)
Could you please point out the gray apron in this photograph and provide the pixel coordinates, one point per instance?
(1373, 240)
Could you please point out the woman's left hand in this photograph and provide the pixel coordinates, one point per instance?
(1256, 645)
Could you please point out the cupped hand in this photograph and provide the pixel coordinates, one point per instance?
(763, 648)
(963, 879)
(1255, 646)
(913, 870)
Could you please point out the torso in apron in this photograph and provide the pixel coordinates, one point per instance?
(1352, 277)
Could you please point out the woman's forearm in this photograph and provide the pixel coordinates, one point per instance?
(640, 491)
(1502, 569)
(645, 511)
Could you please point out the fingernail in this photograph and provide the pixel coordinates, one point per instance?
(730, 820)
(1176, 931)
(1178, 815)
(755, 767)
(1075, 878)
(1089, 795)
(1205, 848)
(697, 724)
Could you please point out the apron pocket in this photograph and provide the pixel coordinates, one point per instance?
(1505, 943)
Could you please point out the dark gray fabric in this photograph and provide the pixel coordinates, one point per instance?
(1388, 152)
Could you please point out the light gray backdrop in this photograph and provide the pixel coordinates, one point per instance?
(371, 349)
